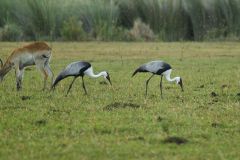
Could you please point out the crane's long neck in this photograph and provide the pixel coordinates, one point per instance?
(90, 73)
(167, 74)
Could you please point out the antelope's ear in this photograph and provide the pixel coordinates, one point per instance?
(1, 63)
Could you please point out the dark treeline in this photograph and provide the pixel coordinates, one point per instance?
(120, 20)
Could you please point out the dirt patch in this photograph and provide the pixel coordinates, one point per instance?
(225, 86)
(13, 108)
(138, 138)
(103, 83)
(224, 55)
(41, 122)
(53, 110)
(176, 140)
(102, 131)
(29, 69)
(168, 87)
(119, 105)
(213, 94)
(216, 125)
(160, 119)
(25, 98)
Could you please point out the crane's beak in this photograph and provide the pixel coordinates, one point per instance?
(181, 84)
(108, 78)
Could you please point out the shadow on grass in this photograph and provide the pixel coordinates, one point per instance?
(41, 122)
(25, 98)
(119, 105)
(54, 110)
(103, 83)
(14, 108)
(176, 140)
(136, 138)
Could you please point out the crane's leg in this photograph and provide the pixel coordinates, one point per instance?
(83, 85)
(147, 84)
(70, 86)
(161, 86)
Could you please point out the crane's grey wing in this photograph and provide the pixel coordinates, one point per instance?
(158, 67)
(73, 69)
(155, 67)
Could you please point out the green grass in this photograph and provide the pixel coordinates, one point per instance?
(118, 122)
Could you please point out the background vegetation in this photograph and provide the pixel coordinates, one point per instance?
(121, 20)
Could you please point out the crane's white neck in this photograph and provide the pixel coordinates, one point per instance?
(90, 73)
(167, 75)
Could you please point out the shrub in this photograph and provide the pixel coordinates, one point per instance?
(72, 30)
(141, 31)
(10, 32)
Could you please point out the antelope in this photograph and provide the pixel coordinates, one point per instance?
(36, 53)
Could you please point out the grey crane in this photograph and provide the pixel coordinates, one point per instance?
(79, 69)
(158, 68)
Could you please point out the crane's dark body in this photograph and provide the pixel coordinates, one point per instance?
(156, 68)
(75, 69)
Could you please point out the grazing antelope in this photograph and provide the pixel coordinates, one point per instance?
(37, 53)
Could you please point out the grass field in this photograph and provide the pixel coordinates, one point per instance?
(118, 122)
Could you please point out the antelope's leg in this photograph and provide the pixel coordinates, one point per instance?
(49, 72)
(45, 78)
(19, 76)
(40, 64)
(44, 73)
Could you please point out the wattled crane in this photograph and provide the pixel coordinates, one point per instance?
(79, 69)
(158, 68)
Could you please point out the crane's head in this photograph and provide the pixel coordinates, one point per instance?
(180, 82)
(106, 76)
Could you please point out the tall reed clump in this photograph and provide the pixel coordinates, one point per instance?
(4, 11)
(99, 18)
(39, 18)
(174, 20)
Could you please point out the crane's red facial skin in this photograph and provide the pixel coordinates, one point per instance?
(181, 84)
